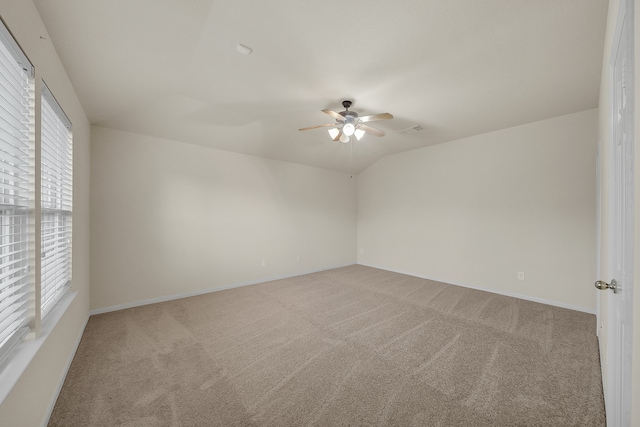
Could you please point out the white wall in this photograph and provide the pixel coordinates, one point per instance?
(478, 210)
(29, 401)
(170, 218)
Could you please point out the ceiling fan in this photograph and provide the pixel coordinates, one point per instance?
(348, 123)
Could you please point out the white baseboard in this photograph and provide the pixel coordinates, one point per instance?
(206, 291)
(63, 377)
(479, 288)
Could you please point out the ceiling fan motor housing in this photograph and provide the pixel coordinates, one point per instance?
(349, 115)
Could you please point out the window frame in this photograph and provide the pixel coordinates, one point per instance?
(56, 201)
(17, 183)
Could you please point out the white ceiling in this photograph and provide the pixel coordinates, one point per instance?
(169, 68)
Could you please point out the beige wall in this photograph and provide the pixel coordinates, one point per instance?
(170, 218)
(29, 401)
(478, 210)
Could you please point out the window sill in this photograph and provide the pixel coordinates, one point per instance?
(19, 359)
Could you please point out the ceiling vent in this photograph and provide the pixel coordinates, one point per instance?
(411, 130)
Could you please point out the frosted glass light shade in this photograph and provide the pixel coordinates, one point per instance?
(333, 133)
(348, 129)
(344, 138)
(359, 133)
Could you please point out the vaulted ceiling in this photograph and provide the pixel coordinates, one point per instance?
(170, 68)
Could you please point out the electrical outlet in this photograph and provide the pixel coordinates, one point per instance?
(264, 262)
(520, 275)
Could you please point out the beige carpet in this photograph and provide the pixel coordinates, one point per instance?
(350, 346)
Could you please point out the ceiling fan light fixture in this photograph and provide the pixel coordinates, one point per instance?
(359, 133)
(348, 129)
(344, 138)
(333, 133)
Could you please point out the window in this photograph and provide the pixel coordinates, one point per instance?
(56, 201)
(17, 124)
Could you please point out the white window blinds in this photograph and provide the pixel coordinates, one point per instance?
(16, 190)
(56, 197)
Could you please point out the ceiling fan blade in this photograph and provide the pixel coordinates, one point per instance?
(320, 126)
(374, 117)
(334, 114)
(369, 129)
(337, 138)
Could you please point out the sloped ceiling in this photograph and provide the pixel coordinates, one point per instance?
(169, 68)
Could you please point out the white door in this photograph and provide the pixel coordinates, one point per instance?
(618, 393)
